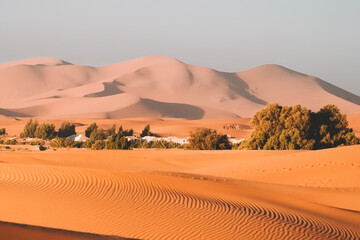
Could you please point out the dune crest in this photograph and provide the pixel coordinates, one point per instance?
(28, 86)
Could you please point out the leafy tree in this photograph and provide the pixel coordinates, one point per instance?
(330, 128)
(98, 145)
(90, 129)
(63, 143)
(45, 131)
(117, 141)
(146, 131)
(67, 129)
(98, 134)
(208, 139)
(29, 129)
(111, 131)
(2, 131)
(295, 127)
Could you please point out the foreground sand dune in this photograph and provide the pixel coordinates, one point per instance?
(157, 87)
(152, 194)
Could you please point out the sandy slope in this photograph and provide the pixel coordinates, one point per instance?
(177, 194)
(156, 87)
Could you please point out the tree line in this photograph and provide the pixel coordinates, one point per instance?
(275, 127)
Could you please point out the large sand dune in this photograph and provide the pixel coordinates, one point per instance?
(178, 194)
(156, 87)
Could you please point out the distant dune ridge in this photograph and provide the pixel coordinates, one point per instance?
(157, 86)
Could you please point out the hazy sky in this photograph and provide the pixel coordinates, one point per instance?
(318, 37)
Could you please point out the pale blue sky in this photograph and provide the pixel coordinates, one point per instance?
(318, 37)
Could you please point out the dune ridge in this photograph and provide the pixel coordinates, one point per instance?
(53, 88)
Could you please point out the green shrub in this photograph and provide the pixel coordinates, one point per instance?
(207, 139)
(29, 129)
(279, 128)
(45, 131)
(162, 144)
(2, 141)
(98, 145)
(117, 141)
(146, 131)
(98, 134)
(88, 143)
(90, 129)
(67, 129)
(111, 131)
(37, 142)
(139, 143)
(64, 143)
(2, 131)
(11, 142)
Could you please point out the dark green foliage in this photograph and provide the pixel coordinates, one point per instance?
(29, 129)
(330, 128)
(146, 131)
(65, 143)
(90, 129)
(67, 129)
(139, 143)
(45, 131)
(2, 131)
(98, 134)
(2, 141)
(162, 144)
(117, 141)
(208, 139)
(88, 143)
(37, 142)
(98, 145)
(111, 131)
(11, 142)
(128, 132)
(279, 128)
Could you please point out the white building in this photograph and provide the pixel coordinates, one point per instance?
(235, 141)
(77, 138)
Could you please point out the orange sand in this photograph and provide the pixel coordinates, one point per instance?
(175, 194)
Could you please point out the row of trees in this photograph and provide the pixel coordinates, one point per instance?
(296, 127)
(275, 128)
(47, 131)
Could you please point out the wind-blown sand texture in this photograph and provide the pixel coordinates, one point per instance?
(178, 194)
(156, 87)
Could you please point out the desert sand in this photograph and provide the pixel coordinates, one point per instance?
(157, 87)
(178, 194)
(171, 194)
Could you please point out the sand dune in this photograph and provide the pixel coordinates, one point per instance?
(162, 87)
(151, 194)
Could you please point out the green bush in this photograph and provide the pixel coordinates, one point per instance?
(65, 143)
(279, 128)
(11, 142)
(111, 131)
(67, 129)
(117, 141)
(127, 132)
(37, 142)
(146, 131)
(2, 131)
(90, 129)
(139, 143)
(207, 139)
(98, 145)
(162, 144)
(29, 129)
(98, 134)
(45, 131)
